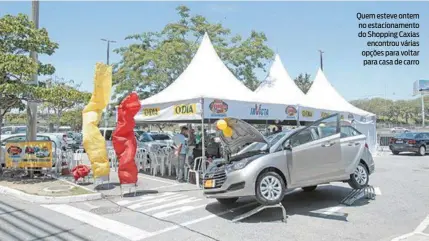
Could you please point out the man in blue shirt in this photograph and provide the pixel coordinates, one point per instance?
(182, 149)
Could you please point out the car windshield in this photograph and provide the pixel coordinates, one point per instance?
(272, 140)
(144, 137)
(160, 137)
(407, 135)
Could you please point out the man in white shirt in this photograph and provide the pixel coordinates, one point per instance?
(182, 148)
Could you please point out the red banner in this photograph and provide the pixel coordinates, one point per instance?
(124, 140)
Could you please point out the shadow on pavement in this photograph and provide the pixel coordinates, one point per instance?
(312, 204)
(26, 223)
(140, 193)
(107, 186)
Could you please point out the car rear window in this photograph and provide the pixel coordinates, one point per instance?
(407, 135)
(160, 137)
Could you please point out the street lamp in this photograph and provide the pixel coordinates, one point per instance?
(108, 47)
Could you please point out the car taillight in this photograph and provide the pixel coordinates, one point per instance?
(366, 145)
(411, 142)
(392, 140)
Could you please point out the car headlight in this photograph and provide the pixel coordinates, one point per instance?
(237, 165)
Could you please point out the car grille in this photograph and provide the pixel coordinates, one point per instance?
(219, 176)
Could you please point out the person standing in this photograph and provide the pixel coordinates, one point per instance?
(181, 151)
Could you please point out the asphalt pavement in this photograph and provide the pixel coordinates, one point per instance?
(165, 210)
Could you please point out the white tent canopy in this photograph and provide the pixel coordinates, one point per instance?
(278, 87)
(322, 95)
(208, 88)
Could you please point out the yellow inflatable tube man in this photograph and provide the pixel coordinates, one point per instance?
(93, 141)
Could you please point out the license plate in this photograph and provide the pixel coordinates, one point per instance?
(209, 183)
(399, 142)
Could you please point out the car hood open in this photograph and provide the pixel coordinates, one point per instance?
(242, 134)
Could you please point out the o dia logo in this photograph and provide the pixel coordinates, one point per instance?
(291, 111)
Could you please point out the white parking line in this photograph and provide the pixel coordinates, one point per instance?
(377, 191)
(156, 179)
(126, 202)
(332, 210)
(112, 226)
(185, 224)
(423, 225)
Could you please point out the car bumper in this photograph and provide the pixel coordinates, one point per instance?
(404, 148)
(228, 185)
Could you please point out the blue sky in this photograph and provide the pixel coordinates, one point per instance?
(296, 30)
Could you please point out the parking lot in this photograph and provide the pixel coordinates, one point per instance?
(166, 210)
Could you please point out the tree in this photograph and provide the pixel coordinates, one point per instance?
(303, 82)
(18, 37)
(64, 96)
(155, 59)
(72, 118)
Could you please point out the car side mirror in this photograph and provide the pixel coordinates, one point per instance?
(288, 147)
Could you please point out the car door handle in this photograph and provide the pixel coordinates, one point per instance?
(357, 144)
(351, 143)
(328, 144)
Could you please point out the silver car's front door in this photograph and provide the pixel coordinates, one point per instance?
(319, 159)
(352, 147)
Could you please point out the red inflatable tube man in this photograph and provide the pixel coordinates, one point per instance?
(124, 140)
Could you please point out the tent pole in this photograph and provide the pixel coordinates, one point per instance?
(298, 123)
(203, 149)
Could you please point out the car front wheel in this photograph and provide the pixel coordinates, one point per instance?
(360, 178)
(422, 151)
(395, 152)
(270, 188)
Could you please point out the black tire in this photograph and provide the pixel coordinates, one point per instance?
(422, 151)
(227, 201)
(356, 181)
(278, 188)
(395, 152)
(309, 189)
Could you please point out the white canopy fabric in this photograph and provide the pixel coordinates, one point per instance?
(207, 88)
(205, 77)
(322, 95)
(278, 87)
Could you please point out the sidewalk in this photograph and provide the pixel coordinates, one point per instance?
(45, 190)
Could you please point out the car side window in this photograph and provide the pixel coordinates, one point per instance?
(346, 132)
(43, 138)
(303, 137)
(425, 135)
(15, 139)
(419, 136)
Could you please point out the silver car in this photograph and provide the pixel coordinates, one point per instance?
(300, 158)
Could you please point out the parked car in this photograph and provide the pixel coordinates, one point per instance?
(21, 138)
(300, 158)
(162, 138)
(417, 142)
(399, 130)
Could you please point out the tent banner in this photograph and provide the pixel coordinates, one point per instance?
(312, 114)
(220, 108)
(182, 110)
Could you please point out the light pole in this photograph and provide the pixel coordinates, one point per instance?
(31, 105)
(321, 59)
(108, 48)
(106, 112)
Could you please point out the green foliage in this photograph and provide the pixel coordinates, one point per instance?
(155, 59)
(303, 82)
(399, 111)
(18, 37)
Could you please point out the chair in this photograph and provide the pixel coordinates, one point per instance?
(141, 158)
(112, 158)
(198, 168)
(170, 159)
(154, 156)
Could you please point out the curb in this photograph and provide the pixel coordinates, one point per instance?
(47, 199)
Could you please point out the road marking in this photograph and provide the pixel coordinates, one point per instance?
(156, 201)
(126, 202)
(157, 179)
(419, 230)
(168, 205)
(90, 205)
(185, 224)
(422, 226)
(331, 210)
(377, 191)
(112, 226)
(177, 210)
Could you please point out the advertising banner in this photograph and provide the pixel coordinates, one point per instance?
(219, 108)
(177, 111)
(421, 86)
(36, 154)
